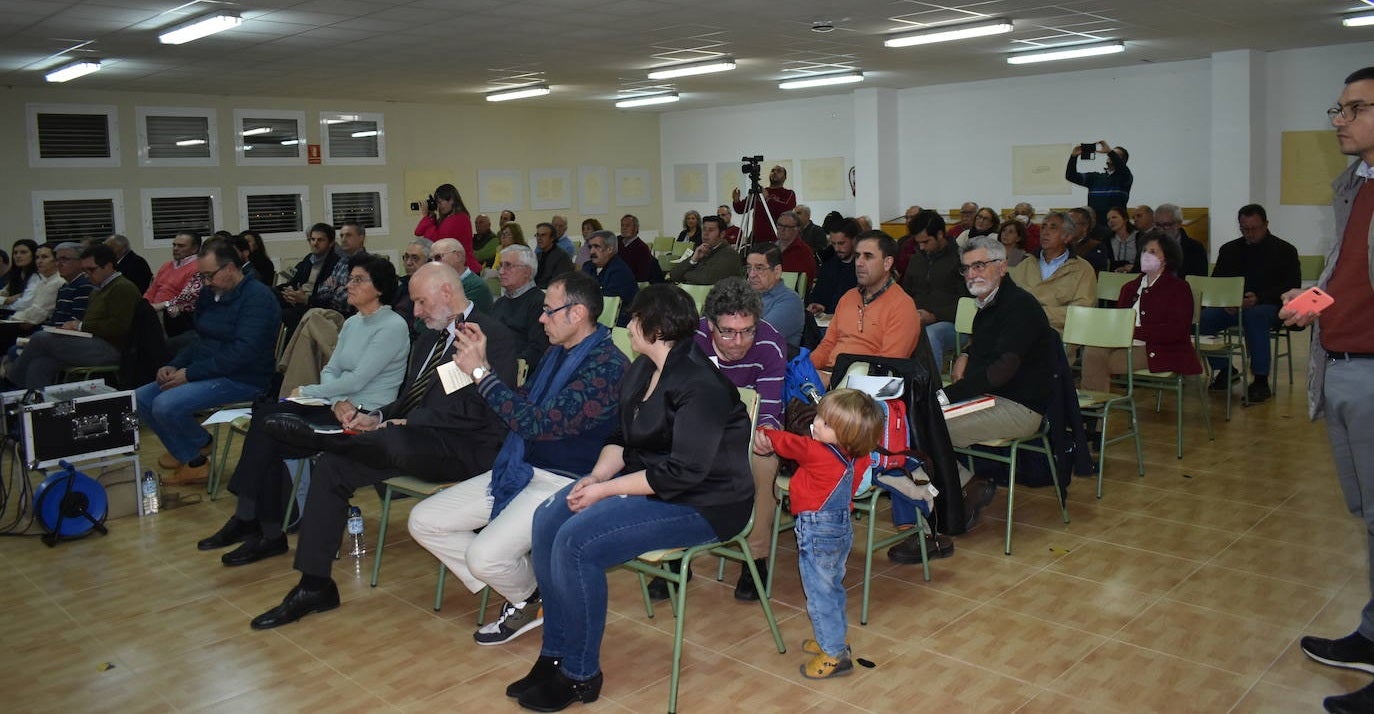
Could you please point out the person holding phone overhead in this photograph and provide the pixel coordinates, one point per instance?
(1341, 373)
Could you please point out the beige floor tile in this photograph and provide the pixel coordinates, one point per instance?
(1039, 652)
(324, 690)
(1265, 698)
(1289, 561)
(1220, 513)
(930, 682)
(900, 610)
(1208, 637)
(1126, 567)
(199, 676)
(1076, 602)
(977, 576)
(1253, 596)
(1169, 538)
(1054, 703)
(1123, 677)
(1030, 545)
(1296, 670)
(162, 635)
(1330, 531)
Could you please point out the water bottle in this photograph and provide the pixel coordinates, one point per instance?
(149, 488)
(355, 532)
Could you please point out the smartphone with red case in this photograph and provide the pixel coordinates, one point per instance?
(1312, 300)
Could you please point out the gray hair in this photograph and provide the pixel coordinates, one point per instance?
(424, 246)
(1171, 209)
(691, 213)
(994, 247)
(521, 255)
(1066, 219)
(72, 246)
(732, 296)
(608, 238)
(119, 240)
(793, 214)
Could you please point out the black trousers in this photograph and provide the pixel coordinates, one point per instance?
(261, 476)
(437, 455)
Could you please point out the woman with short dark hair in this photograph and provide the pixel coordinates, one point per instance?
(674, 474)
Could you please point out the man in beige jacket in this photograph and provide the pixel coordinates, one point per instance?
(1057, 278)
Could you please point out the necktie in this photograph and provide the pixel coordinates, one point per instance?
(422, 379)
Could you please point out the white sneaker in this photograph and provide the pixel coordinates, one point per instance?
(516, 619)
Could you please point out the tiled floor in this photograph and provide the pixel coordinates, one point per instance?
(1182, 591)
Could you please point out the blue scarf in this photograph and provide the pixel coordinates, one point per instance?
(511, 473)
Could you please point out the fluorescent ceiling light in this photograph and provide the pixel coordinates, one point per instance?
(256, 130)
(529, 90)
(190, 142)
(200, 27)
(822, 80)
(1070, 53)
(723, 64)
(645, 100)
(950, 32)
(1358, 21)
(69, 72)
(290, 142)
(363, 134)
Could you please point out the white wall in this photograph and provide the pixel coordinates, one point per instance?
(809, 128)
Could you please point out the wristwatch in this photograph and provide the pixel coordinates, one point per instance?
(479, 372)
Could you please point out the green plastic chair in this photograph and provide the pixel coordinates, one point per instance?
(698, 293)
(1109, 286)
(415, 488)
(610, 310)
(1108, 328)
(663, 245)
(1038, 442)
(1223, 293)
(1173, 382)
(964, 313)
(621, 337)
(656, 564)
(796, 281)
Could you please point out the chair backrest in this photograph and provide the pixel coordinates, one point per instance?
(1108, 327)
(494, 285)
(1218, 292)
(522, 371)
(1109, 284)
(663, 244)
(698, 293)
(1312, 266)
(796, 281)
(610, 310)
(621, 337)
(963, 315)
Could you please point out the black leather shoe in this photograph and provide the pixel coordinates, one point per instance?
(1354, 651)
(292, 429)
(255, 548)
(233, 531)
(658, 587)
(908, 551)
(1357, 702)
(297, 604)
(560, 692)
(543, 670)
(744, 589)
(1219, 382)
(978, 493)
(1258, 392)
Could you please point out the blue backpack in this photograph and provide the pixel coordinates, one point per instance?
(802, 381)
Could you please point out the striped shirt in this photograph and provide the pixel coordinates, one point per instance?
(72, 299)
(762, 368)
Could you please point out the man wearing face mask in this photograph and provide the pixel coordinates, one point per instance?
(1024, 214)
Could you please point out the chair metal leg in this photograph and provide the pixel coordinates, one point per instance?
(439, 588)
(1178, 409)
(296, 472)
(1135, 431)
(868, 555)
(763, 601)
(219, 458)
(1054, 478)
(679, 601)
(1101, 449)
(644, 590)
(773, 548)
(381, 535)
(923, 524)
(482, 606)
(1011, 492)
(1206, 407)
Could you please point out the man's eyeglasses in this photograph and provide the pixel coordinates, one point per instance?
(439, 257)
(1347, 112)
(550, 312)
(409, 257)
(207, 277)
(751, 269)
(788, 226)
(511, 266)
(731, 335)
(977, 267)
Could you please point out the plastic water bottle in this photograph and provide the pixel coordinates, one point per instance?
(355, 532)
(149, 488)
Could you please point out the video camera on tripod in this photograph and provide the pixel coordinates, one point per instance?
(752, 166)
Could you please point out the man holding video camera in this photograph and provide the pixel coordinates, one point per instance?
(1106, 189)
(771, 203)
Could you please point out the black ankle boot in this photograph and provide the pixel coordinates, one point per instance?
(658, 587)
(558, 693)
(542, 671)
(744, 589)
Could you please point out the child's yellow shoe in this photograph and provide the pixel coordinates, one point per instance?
(823, 666)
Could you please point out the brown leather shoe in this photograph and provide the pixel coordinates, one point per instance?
(168, 462)
(187, 474)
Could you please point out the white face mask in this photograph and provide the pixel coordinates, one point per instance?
(1150, 263)
(1023, 218)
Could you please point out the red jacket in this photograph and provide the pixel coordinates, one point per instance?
(456, 225)
(798, 258)
(817, 469)
(1166, 323)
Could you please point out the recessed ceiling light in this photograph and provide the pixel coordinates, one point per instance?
(722, 64)
(200, 27)
(950, 32)
(1069, 53)
(822, 80)
(529, 90)
(1358, 21)
(645, 100)
(66, 73)
(191, 142)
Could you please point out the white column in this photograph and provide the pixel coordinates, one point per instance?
(876, 139)
(1237, 147)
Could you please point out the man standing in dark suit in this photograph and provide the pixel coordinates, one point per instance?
(426, 432)
(130, 264)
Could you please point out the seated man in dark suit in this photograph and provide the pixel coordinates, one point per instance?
(307, 287)
(426, 433)
(611, 272)
(836, 276)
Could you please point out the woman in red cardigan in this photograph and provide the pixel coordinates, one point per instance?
(450, 220)
(1163, 324)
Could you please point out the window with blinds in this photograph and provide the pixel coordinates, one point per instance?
(364, 208)
(78, 219)
(72, 135)
(177, 136)
(352, 138)
(269, 137)
(176, 214)
(275, 213)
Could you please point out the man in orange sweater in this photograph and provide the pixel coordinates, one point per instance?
(875, 318)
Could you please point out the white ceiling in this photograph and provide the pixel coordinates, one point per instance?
(591, 51)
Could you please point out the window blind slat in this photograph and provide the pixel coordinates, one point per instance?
(269, 144)
(78, 219)
(175, 214)
(343, 145)
(165, 131)
(275, 213)
(73, 136)
(364, 207)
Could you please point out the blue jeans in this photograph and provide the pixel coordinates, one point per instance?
(903, 507)
(941, 335)
(172, 413)
(571, 552)
(823, 541)
(1257, 319)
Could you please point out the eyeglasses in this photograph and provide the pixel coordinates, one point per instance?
(751, 269)
(358, 279)
(207, 277)
(1347, 112)
(977, 267)
(439, 257)
(731, 335)
(510, 266)
(551, 312)
(788, 226)
(409, 257)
